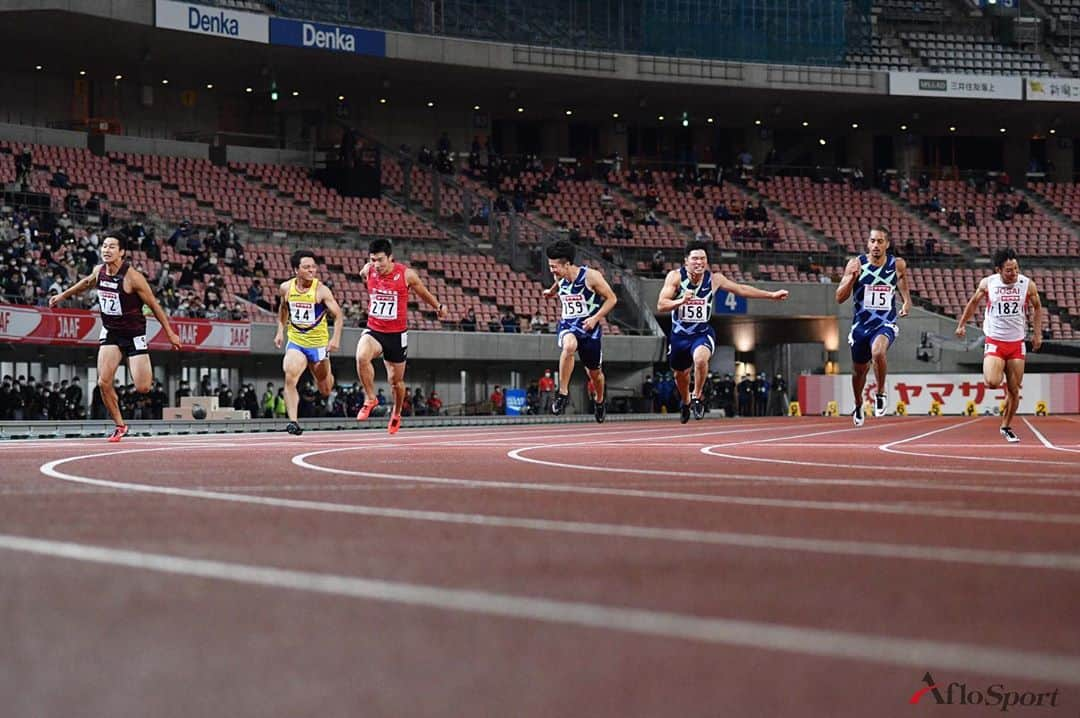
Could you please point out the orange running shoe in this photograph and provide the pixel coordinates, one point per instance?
(365, 410)
(118, 433)
(395, 424)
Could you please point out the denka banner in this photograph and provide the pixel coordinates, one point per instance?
(1053, 89)
(215, 21)
(953, 392)
(957, 87)
(80, 327)
(318, 36)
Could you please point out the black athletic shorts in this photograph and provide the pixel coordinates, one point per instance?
(130, 346)
(395, 345)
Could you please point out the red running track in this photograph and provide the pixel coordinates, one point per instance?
(722, 568)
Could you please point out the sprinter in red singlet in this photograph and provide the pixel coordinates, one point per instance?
(388, 285)
(122, 291)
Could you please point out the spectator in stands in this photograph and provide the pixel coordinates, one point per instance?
(539, 324)
(419, 404)
(858, 179)
(1004, 183)
(934, 205)
(1004, 212)
(510, 322)
(745, 158)
(746, 396)
(434, 404)
(268, 401)
(1022, 207)
(930, 246)
(650, 219)
(721, 213)
(497, 401)
(909, 247)
(969, 217)
(259, 269)
(468, 322)
(24, 165)
(657, 263)
(702, 235)
(954, 219)
(60, 179)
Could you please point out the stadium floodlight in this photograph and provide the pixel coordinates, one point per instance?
(685, 120)
(82, 73)
(952, 128)
(296, 93)
(614, 115)
(1002, 130)
(164, 82)
(854, 125)
(821, 141)
(710, 120)
(903, 128)
(1053, 131)
(341, 98)
(118, 77)
(273, 91)
(38, 67)
(805, 123)
(521, 109)
(569, 112)
(382, 100)
(660, 118)
(757, 123)
(476, 108)
(209, 86)
(431, 103)
(249, 89)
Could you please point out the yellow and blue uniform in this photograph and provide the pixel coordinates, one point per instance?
(307, 331)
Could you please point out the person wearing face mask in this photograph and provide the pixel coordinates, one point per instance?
(546, 385)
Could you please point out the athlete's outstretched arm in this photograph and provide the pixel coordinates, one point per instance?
(970, 307)
(142, 288)
(745, 290)
(417, 285)
(667, 302)
(595, 281)
(327, 297)
(366, 270)
(847, 283)
(902, 286)
(1036, 316)
(78, 287)
(282, 315)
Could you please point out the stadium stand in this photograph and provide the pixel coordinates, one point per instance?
(1032, 234)
(883, 53)
(952, 52)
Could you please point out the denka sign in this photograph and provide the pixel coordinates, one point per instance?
(215, 21)
(316, 35)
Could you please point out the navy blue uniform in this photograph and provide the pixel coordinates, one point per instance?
(690, 323)
(578, 304)
(874, 301)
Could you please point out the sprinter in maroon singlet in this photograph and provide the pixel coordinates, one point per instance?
(122, 291)
(388, 285)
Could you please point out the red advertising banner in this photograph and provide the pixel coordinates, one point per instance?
(80, 327)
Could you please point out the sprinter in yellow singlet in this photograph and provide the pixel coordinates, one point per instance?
(305, 302)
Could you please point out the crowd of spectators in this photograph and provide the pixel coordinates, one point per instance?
(751, 396)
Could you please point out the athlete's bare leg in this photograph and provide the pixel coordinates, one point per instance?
(566, 361)
(597, 376)
(367, 350)
(879, 356)
(142, 373)
(395, 373)
(682, 384)
(293, 365)
(109, 358)
(858, 381)
(993, 371)
(702, 355)
(324, 376)
(1014, 377)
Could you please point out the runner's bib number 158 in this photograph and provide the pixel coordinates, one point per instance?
(694, 311)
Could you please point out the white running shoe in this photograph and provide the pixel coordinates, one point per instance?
(880, 405)
(857, 416)
(1009, 436)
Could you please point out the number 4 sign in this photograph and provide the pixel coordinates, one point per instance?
(728, 303)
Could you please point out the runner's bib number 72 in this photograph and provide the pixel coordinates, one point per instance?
(110, 302)
(384, 305)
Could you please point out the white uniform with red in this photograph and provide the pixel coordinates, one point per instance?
(1005, 323)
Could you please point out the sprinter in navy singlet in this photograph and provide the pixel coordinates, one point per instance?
(586, 298)
(122, 292)
(872, 280)
(689, 294)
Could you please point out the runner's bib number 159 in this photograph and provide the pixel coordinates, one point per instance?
(574, 306)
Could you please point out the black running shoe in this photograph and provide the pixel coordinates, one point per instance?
(293, 428)
(684, 413)
(697, 406)
(1009, 435)
(857, 416)
(599, 411)
(880, 405)
(558, 406)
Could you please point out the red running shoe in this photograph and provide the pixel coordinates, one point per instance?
(365, 410)
(118, 433)
(395, 424)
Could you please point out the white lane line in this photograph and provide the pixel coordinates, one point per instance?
(1046, 442)
(888, 448)
(947, 554)
(898, 509)
(916, 653)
